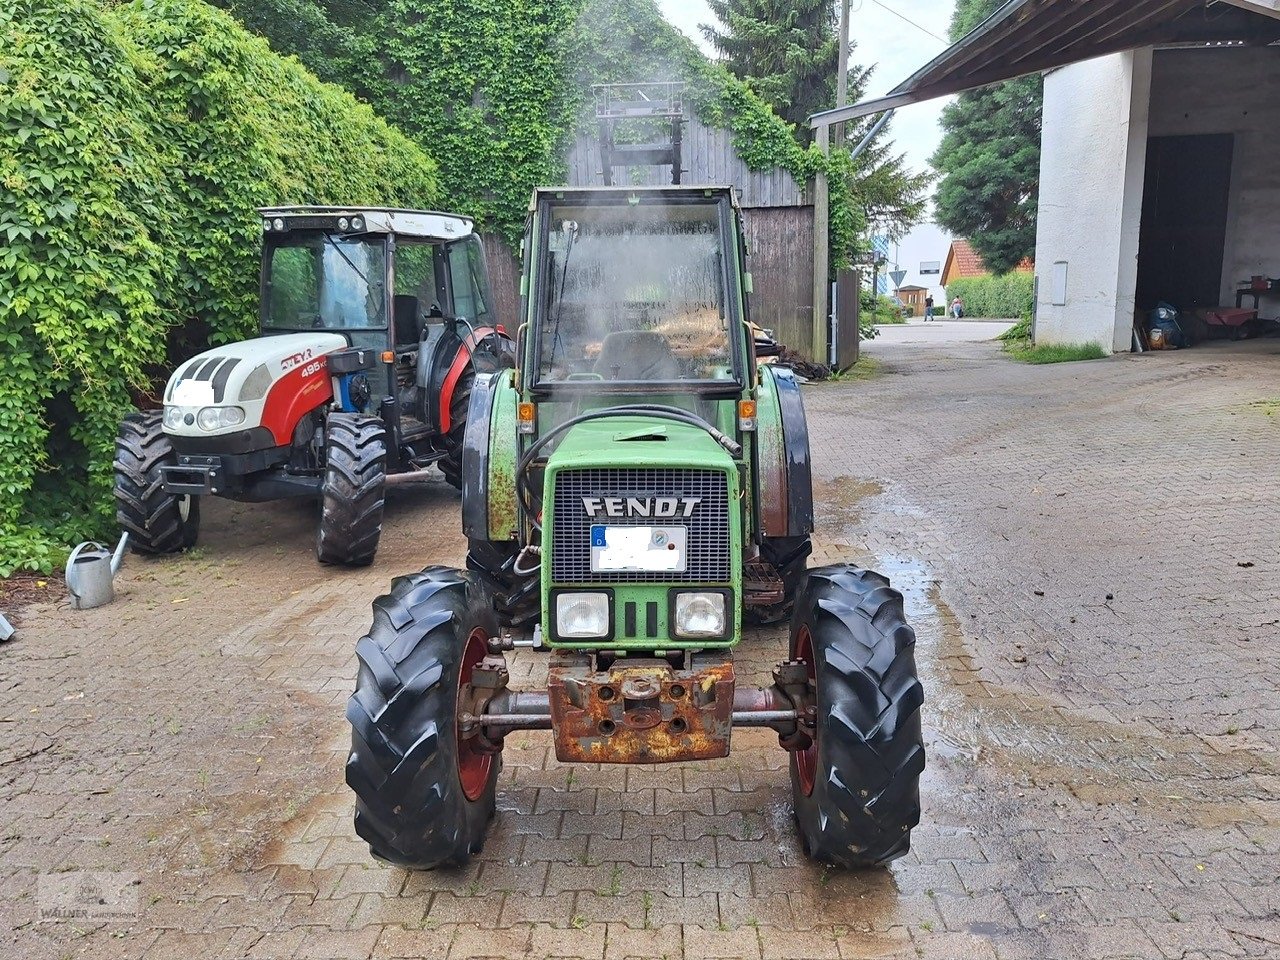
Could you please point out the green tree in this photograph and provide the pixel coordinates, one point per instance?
(787, 50)
(989, 160)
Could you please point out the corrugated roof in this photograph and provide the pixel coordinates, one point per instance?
(1029, 36)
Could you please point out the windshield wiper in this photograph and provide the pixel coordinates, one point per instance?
(570, 228)
(360, 273)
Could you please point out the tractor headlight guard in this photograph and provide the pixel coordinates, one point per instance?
(701, 613)
(583, 616)
(219, 418)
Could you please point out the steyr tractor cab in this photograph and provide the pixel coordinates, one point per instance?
(375, 324)
(634, 491)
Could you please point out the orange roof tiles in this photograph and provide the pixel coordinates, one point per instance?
(963, 263)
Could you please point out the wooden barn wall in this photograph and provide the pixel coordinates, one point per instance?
(708, 157)
(504, 280)
(780, 249)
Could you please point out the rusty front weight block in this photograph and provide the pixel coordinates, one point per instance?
(642, 710)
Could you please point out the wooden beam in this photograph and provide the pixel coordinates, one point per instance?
(821, 251)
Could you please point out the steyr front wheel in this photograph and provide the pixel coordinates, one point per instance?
(424, 795)
(157, 522)
(355, 480)
(856, 788)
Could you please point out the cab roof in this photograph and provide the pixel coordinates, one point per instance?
(427, 224)
(672, 192)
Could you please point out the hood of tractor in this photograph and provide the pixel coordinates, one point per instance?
(267, 383)
(642, 538)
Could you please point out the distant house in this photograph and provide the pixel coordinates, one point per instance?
(963, 263)
(913, 296)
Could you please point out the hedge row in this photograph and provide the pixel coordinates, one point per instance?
(1008, 296)
(135, 143)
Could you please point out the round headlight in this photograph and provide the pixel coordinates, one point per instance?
(343, 223)
(357, 223)
(278, 223)
(266, 226)
(219, 418)
(172, 417)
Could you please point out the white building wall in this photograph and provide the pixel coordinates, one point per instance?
(1231, 91)
(1091, 176)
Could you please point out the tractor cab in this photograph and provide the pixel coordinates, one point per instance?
(394, 282)
(639, 293)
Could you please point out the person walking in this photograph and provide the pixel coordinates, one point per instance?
(928, 308)
(957, 308)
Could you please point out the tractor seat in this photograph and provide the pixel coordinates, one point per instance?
(637, 355)
(408, 326)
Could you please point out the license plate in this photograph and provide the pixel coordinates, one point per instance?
(638, 549)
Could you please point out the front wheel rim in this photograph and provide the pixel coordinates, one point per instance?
(806, 760)
(184, 508)
(474, 767)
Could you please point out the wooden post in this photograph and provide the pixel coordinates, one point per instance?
(842, 70)
(821, 251)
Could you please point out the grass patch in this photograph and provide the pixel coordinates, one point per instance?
(1270, 407)
(1017, 343)
(1019, 332)
(1056, 352)
(867, 368)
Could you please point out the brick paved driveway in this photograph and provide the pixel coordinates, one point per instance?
(1089, 552)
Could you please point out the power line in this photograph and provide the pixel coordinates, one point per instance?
(912, 22)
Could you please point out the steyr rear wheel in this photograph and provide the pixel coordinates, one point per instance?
(856, 789)
(157, 522)
(424, 795)
(354, 489)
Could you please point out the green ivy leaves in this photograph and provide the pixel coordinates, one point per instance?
(135, 143)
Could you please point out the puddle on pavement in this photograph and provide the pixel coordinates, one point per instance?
(1043, 742)
(839, 501)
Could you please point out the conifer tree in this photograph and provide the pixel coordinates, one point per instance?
(786, 49)
(989, 160)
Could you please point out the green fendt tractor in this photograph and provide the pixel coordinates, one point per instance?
(632, 493)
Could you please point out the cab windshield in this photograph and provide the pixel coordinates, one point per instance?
(634, 293)
(323, 281)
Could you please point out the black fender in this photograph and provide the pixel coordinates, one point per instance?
(494, 340)
(784, 486)
(436, 352)
(475, 458)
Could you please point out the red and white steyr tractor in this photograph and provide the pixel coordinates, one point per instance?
(374, 323)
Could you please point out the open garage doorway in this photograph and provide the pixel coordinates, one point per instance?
(1184, 220)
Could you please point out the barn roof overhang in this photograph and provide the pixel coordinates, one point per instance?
(1030, 36)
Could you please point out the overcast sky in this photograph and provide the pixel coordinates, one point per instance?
(884, 38)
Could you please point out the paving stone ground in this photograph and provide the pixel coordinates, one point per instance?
(1089, 555)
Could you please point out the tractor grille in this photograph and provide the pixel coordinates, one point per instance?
(707, 558)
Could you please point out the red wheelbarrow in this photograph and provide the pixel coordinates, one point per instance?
(1240, 323)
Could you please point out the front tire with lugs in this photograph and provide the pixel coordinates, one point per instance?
(156, 521)
(856, 789)
(424, 797)
(354, 490)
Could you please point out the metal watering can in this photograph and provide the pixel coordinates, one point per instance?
(90, 570)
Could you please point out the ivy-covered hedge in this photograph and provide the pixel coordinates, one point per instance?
(1009, 296)
(135, 142)
(496, 91)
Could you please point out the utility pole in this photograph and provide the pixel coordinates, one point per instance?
(842, 71)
